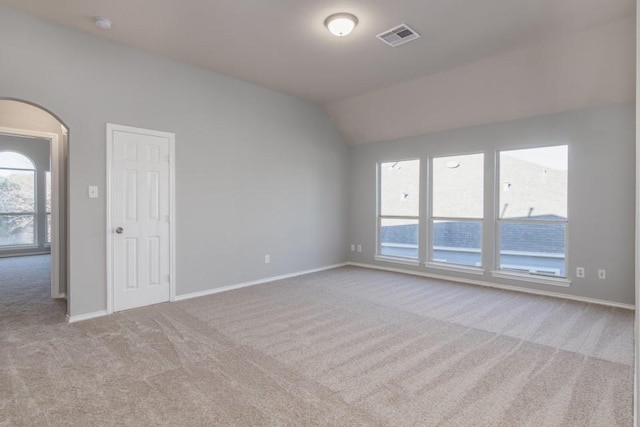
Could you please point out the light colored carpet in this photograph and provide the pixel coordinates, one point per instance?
(25, 293)
(347, 347)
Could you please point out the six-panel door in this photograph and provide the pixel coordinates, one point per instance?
(140, 219)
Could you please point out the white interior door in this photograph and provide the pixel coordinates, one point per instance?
(140, 217)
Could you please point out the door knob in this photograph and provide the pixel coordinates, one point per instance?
(119, 230)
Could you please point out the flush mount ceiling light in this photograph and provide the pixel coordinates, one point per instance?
(102, 23)
(341, 24)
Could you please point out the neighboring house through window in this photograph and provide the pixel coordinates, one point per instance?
(457, 210)
(398, 209)
(532, 211)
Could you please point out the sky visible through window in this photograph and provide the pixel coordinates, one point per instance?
(11, 160)
(552, 157)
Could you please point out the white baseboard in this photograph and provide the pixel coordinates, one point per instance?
(495, 285)
(87, 316)
(60, 296)
(254, 282)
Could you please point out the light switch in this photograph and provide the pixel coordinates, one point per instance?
(93, 191)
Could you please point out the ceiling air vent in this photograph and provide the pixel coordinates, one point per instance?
(398, 35)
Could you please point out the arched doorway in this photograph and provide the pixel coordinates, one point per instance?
(33, 214)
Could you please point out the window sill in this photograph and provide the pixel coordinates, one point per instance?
(395, 260)
(553, 281)
(479, 271)
(18, 247)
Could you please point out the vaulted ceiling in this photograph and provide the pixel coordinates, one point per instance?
(283, 45)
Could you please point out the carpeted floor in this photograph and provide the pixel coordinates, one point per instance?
(345, 347)
(25, 293)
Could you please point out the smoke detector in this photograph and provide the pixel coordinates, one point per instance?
(398, 35)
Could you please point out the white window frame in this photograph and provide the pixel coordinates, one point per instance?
(379, 217)
(519, 274)
(47, 213)
(430, 262)
(34, 214)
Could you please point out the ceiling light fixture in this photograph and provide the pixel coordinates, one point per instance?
(103, 23)
(341, 24)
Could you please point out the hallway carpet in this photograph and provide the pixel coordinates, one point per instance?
(347, 347)
(25, 293)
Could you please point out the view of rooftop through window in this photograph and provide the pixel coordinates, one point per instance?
(457, 188)
(533, 210)
(399, 209)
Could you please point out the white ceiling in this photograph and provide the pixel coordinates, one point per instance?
(283, 45)
(583, 69)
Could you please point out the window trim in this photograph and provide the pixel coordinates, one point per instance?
(379, 217)
(48, 213)
(397, 260)
(528, 277)
(21, 247)
(48, 232)
(459, 268)
(19, 169)
(533, 278)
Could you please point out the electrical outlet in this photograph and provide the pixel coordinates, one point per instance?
(580, 272)
(602, 273)
(359, 248)
(267, 259)
(353, 247)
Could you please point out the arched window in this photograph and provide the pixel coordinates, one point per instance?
(17, 199)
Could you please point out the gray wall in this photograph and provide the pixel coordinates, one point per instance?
(256, 172)
(601, 191)
(39, 151)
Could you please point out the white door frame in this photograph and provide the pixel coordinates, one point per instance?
(55, 202)
(111, 128)
(636, 376)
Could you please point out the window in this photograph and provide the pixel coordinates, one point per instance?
(47, 181)
(457, 205)
(532, 216)
(17, 200)
(398, 210)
